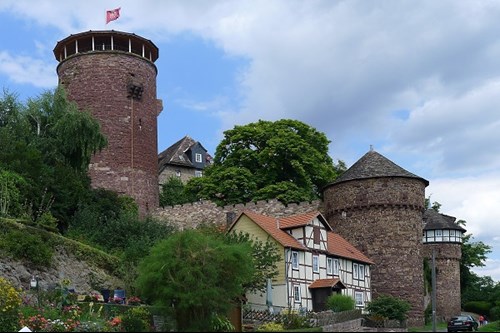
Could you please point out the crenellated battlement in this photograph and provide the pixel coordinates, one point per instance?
(190, 215)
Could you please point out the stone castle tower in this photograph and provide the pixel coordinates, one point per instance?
(112, 74)
(378, 207)
(443, 238)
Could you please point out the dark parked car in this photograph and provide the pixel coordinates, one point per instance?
(462, 323)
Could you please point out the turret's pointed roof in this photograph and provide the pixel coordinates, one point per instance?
(374, 165)
(435, 221)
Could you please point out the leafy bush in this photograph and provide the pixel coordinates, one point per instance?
(295, 321)
(339, 303)
(270, 327)
(136, 319)
(10, 300)
(495, 312)
(111, 223)
(478, 306)
(48, 222)
(389, 307)
(220, 324)
(27, 246)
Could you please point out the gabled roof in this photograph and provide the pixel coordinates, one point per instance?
(270, 226)
(327, 283)
(338, 246)
(176, 153)
(276, 227)
(374, 165)
(302, 220)
(436, 221)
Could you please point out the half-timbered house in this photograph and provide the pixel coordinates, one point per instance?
(316, 262)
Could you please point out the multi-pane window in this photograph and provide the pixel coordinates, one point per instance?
(442, 236)
(354, 271)
(439, 235)
(329, 266)
(296, 294)
(198, 158)
(315, 264)
(295, 260)
(336, 267)
(198, 173)
(361, 272)
(359, 298)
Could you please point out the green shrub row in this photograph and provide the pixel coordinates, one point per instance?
(35, 245)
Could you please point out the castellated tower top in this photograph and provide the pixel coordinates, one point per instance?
(105, 41)
(113, 75)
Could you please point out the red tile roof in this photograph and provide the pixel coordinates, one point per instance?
(302, 220)
(336, 245)
(327, 283)
(270, 225)
(340, 247)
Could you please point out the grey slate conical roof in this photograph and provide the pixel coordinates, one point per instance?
(374, 165)
(436, 221)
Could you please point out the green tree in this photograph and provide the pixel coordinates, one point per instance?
(49, 142)
(389, 307)
(172, 192)
(197, 274)
(265, 256)
(10, 192)
(286, 159)
(474, 254)
(63, 132)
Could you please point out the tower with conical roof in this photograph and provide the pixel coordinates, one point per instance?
(112, 74)
(443, 238)
(377, 206)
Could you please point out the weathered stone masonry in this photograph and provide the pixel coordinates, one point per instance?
(382, 217)
(98, 78)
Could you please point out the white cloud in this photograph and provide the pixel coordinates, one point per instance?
(344, 67)
(475, 200)
(27, 70)
(456, 133)
(492, 268)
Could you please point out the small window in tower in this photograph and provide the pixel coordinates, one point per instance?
(135, 91)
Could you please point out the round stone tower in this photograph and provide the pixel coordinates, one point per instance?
(112, 74)
(378, 206)
(443, 238)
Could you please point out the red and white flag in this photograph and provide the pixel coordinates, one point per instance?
(112, 15)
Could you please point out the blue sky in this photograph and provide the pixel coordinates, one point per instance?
(419, 81)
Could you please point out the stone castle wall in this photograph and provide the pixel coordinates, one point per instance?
(447, 259)
(191, 215)
(97, 81)
(382, 217)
